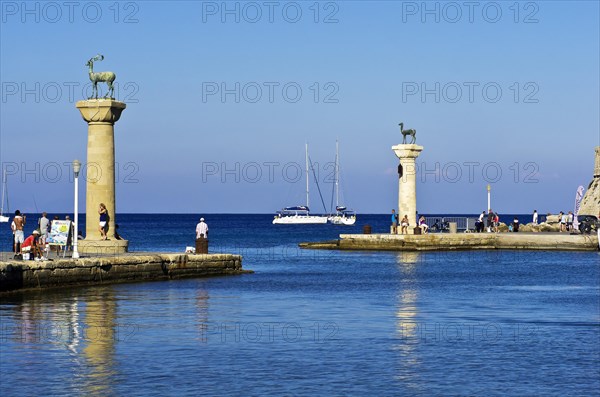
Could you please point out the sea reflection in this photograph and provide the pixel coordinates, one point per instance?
(202, 314)
(406, 321)
(99, 343)
(83, 329)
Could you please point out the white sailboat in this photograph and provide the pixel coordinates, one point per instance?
(343, 215)
(3, 218)
(299, 215)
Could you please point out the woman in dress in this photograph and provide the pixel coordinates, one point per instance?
(103, 220)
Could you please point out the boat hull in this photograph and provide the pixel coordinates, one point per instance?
(299, 220)
(4, 219)
(341, 220)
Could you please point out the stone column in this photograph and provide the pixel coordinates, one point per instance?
(407, 186)
(101, 115)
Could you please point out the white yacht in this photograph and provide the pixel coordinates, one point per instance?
(299, 215)
(343, 216)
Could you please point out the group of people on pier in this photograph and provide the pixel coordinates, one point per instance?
(404, 224)
(37, 244)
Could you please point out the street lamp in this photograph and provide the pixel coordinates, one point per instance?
(76, 168)
(489, 188)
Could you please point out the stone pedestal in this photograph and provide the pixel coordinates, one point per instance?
(590, 205)
(407, 186)
(101, 115)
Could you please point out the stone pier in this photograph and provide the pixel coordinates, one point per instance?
(407, 185)
(459, 241)
(19, 275)
(101, 116)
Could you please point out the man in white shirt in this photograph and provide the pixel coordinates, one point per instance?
(201, 229)
(481, 222)
(43, 222)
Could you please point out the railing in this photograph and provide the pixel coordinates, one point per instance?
(440, 224)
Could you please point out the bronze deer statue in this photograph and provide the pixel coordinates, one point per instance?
(405, 133)
(95, 78)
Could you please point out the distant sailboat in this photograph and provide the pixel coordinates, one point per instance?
(343, 215)
(3, 218)
(299, 215)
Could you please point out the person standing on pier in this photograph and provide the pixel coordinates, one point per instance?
(496, 222)
(562, 222)
(103, 220)
(43, 223)
(12, 227)
(201, 229)
(490, 220)
(570, 221)
(394, 222)
(480, 222)
(19, 222)
(535, 217)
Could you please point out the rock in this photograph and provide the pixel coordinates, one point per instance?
(590, 205)
(530, 227)
(547, 227)
(552, 219)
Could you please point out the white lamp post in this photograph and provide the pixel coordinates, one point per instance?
(489, 188)
(76, 168)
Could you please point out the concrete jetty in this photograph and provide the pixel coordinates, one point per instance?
(459, 241)
(19, 275)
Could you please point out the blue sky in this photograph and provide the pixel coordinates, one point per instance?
(511, 98)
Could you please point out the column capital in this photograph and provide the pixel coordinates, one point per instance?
(407, 150)
(101, 110)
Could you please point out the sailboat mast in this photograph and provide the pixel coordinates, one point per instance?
(3, 184)
(337, 174)
(3, 192)
(307, 202)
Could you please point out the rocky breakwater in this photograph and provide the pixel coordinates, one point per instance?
(17, 275)
(552, 224)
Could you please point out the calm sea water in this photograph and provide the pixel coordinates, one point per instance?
(312, 322)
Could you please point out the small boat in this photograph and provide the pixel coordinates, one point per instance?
(343, 216)
(3, 218)
(299, 215)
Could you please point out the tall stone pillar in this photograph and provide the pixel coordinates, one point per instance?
(407, 186)
(101, 115)
(590, 205)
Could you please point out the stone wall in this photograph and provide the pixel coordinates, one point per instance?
(127, 268)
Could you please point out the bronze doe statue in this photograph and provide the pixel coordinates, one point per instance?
(105, 77)
(411, 132)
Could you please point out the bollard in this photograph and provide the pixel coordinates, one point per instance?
(417, 230)
(453, 227)
(201, 245)
(367, 229)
